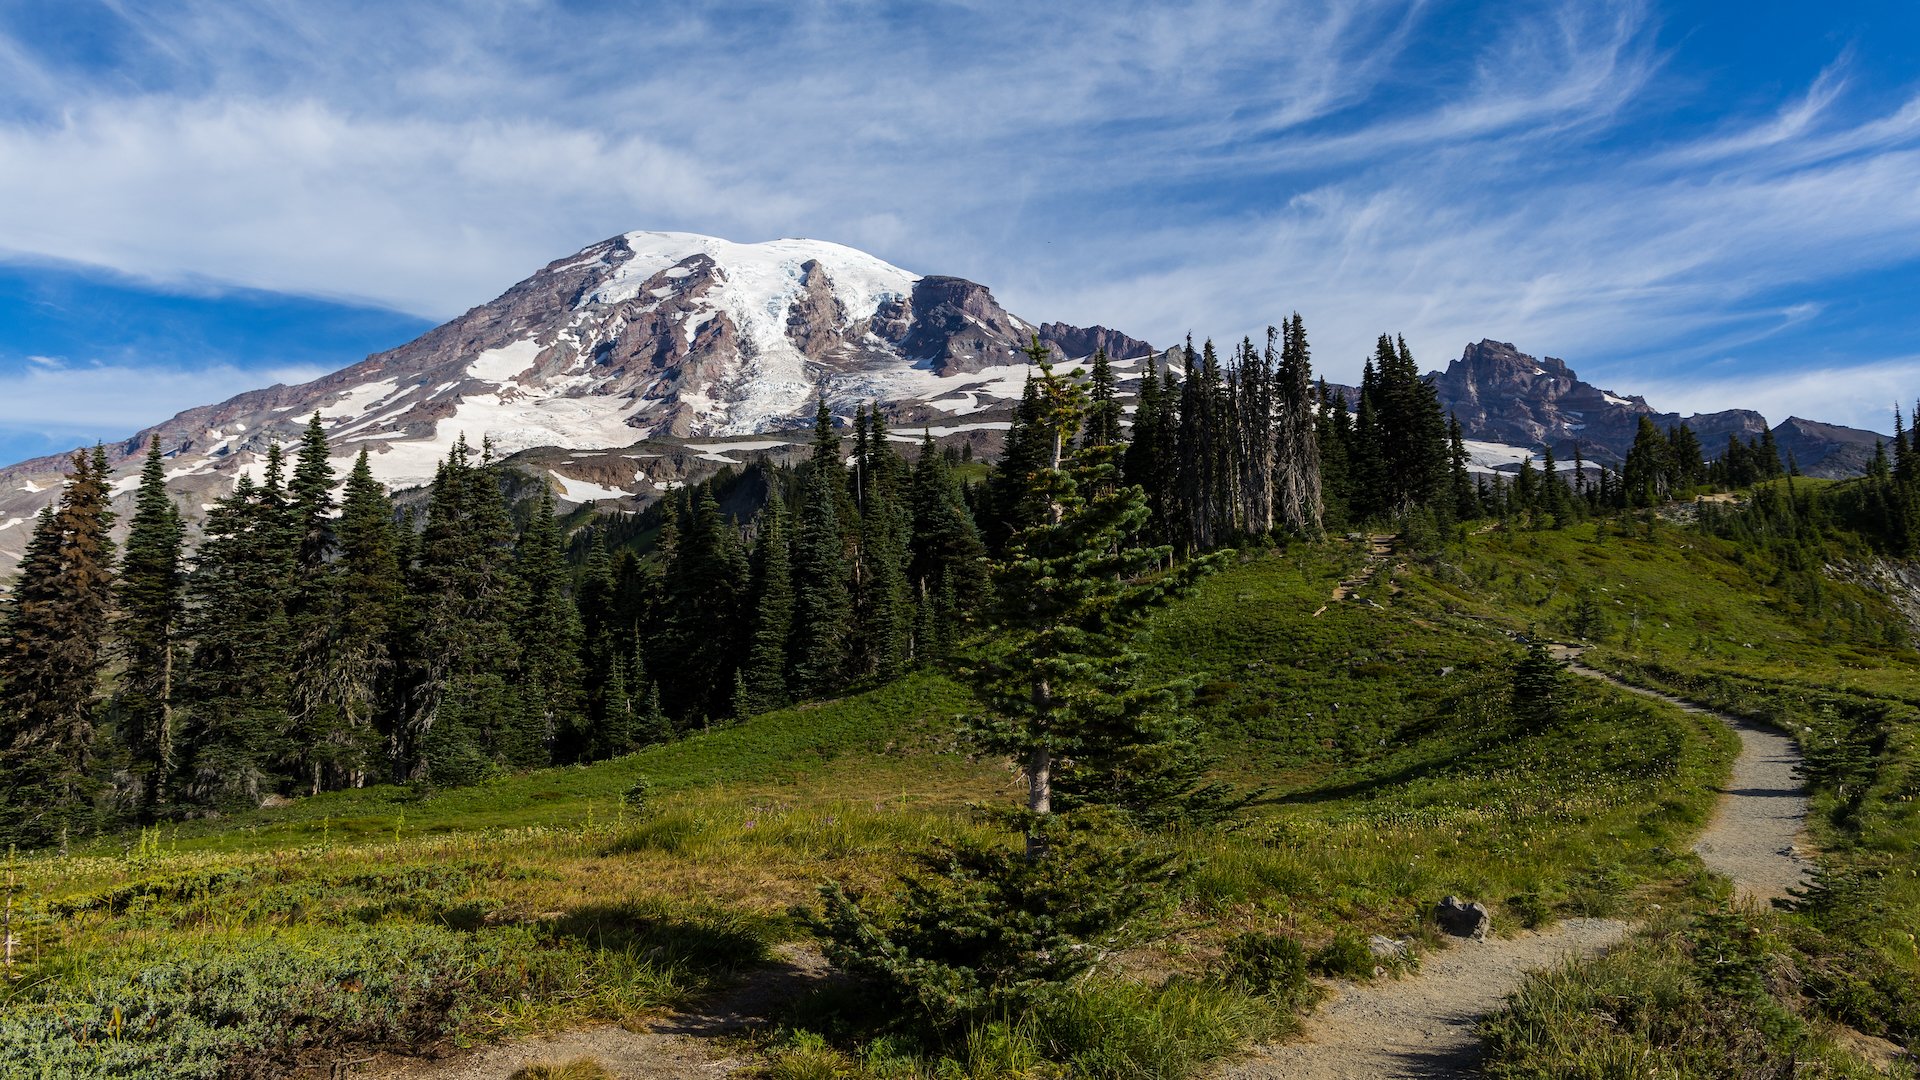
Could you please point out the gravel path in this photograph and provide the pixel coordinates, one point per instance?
(1424, 1026)
(1758, 833)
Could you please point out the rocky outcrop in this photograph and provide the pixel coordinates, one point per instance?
(1827, 450)
(958, 328)
(1077, 343)
(1462, 919)
(1503, 395)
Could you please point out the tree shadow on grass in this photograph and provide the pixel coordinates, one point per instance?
(710, 942)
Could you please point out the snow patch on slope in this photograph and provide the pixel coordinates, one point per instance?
(756, 285)
(582, 491)
(1489, 456)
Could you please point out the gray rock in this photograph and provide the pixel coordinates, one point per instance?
(1386, 948)
(1462, 919)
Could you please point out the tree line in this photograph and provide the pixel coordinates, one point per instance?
(316, 639)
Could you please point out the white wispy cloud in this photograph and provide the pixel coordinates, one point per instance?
(1207, 165)
(100, 399)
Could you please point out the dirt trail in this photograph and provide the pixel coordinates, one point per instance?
(1379, 554)
(1424, 1026)
(1758, 834)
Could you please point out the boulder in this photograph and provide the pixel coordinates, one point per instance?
(1463, 919)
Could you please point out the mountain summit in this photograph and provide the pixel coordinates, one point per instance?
(647, 335)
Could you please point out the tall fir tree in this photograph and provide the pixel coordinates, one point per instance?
(464, 600)
(234, 742)
(947, 560)
(313, 739)
(1301, 497)
(151, 600)
(51, 656)
(1058, 678)
(883, 613)
(822, 600)
(549, 636)
(368, 585)
(764, 677)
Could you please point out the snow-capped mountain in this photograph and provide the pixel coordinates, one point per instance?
(650, 337)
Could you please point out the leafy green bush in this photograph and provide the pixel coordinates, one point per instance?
(1267, 965)
(1347, 956)
(983, 930)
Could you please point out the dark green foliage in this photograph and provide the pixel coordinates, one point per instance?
(1537, 689)
(763, 678)
(1057, 679)
(946, 568)
(239, 688)
(882, 644)
(52, 651)
(1267, 965)
(1345, 956)
(983, 930)
(703, 622)
(464, 599)
(364, 616)
(151, 597)
(549, 637)
(822, 602)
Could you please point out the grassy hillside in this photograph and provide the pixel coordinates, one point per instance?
(1766, 635)
(1395, 775)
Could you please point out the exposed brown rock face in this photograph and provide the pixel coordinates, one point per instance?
(957, 327)
(1503, 395)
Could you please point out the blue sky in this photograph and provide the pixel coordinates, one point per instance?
(1711, 204)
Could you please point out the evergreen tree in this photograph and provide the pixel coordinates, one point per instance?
(314, 738)
(151, 600)
(883, 613)
(1300, 498)
(464, 599)
(1460, 481)
(1058, 678)
(705, 589)
(822, 602)
(235, 739)
(1103, 405)
(946, 566)
(605, 642)
(764, 677)
(51, 656)
(1645, 475)
(1368, 492)
(367, 586)
(1536, 692)
(549, 635)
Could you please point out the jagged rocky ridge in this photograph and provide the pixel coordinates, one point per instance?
(1507, 398)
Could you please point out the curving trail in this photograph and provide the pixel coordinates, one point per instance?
(1424, 1026)
(1757, 836)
